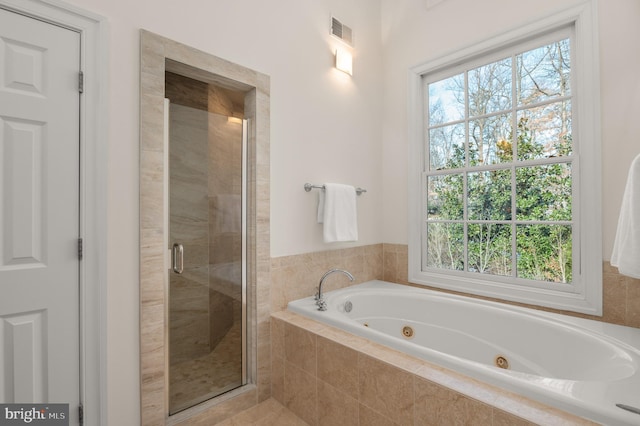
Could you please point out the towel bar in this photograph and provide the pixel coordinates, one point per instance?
(308, 187)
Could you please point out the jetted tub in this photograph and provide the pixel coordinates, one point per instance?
(581, 366)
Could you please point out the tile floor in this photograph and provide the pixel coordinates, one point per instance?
(267, 413)
(195, 380)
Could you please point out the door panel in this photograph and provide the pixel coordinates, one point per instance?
(22, 193)
(24, 342)
(39, 212)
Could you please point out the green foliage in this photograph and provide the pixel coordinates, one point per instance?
(543, 193)
(544, 252)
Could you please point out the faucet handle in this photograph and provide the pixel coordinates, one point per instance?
(322, 304)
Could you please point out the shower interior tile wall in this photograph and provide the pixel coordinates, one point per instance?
(296, 277)
(189, 319)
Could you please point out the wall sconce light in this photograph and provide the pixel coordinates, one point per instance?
(344, 61)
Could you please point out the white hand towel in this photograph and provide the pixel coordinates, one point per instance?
(321, 206)
(626, 248)
(337, 212)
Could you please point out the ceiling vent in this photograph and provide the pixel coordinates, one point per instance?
(341, 31)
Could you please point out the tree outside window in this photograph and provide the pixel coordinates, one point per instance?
(499, 153)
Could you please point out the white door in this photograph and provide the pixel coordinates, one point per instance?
(39, 212)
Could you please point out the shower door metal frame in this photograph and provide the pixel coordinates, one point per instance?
(244, 261)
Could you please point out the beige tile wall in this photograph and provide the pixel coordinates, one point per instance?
(330, 377)
(297, 276)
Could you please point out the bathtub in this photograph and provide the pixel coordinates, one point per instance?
(580, 366)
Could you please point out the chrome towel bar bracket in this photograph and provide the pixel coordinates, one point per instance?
(308, 187)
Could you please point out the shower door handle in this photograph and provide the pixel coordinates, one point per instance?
(177, 258)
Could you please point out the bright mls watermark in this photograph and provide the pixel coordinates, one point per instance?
(34, 414)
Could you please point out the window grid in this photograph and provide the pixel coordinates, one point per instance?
(516, 162)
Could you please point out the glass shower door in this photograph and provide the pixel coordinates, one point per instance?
(207, 308)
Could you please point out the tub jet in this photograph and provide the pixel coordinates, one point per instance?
(502, 362)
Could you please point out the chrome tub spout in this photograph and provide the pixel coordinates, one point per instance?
(322, 304)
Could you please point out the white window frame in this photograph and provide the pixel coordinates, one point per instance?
(585, 293)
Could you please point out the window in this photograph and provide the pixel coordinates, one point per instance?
(505, 167)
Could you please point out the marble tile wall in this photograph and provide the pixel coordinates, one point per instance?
(328, 377)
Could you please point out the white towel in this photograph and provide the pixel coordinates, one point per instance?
(626, 248)
(337, 212)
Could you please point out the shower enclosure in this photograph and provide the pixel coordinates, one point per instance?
(206, 247)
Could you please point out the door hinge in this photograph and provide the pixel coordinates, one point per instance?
(80, 248)
(81, 414)
(81, 82)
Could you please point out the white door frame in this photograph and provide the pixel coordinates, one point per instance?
(93, 193)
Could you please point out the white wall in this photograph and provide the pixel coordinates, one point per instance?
(620, 86)
(325, 127)
(413, 34)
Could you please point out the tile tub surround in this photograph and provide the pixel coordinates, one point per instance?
(327, 376)
(620, 299)
(295, 277)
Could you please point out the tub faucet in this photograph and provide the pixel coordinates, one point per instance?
(322, 304)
